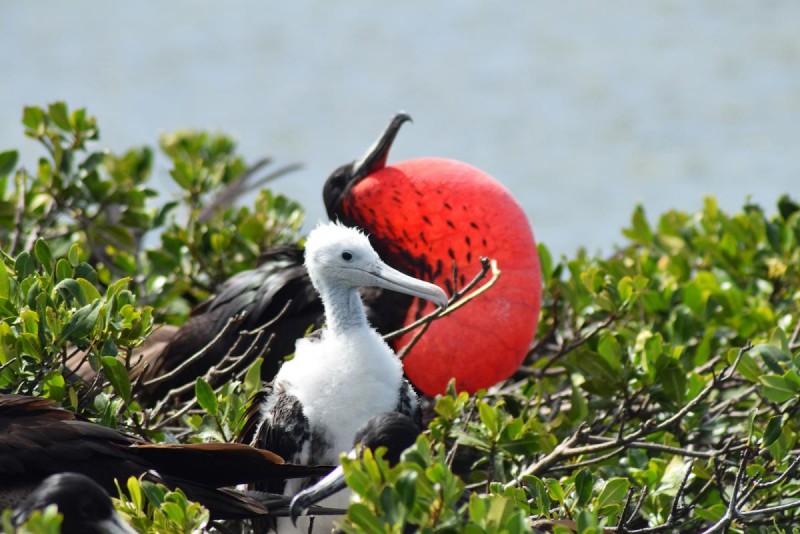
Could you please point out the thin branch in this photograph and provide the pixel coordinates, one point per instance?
(459, 299)
(194, 357)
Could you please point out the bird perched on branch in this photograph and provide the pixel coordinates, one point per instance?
(430, 218)
(37, 439)
(344, 376)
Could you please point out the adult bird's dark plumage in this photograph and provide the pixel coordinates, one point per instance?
(239, 310)
(337, 381)
(38, 439)
(430, 218)
(393, 430)
(85, 506)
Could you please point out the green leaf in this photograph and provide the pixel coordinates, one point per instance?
(118, 377)
(43, 254)
(173, 511)
(672, 379)
(406, 486)
(154, 493)
(579, 407)
(135, 491)
(82, 322)
(747, 365)
(63, 270)
(53, 386)
(488, 415)
(33, 118)
(5, 285)
(584, 482)
(70, 290)
(538, 490)
(773, 430)
(206, 397)
(74, 255)
(614, 492)
(555, 489)
(500, 508)
(772, 356)
(23, 265)
(777, 388)
(252, 380)
(545, 262)
(389, 504)
(8, 162)
(640, 229)
(59, 115)
(89, 291)
(611, 351)
(586, 522)
(363, 518)
(477, 508)
(711, 513)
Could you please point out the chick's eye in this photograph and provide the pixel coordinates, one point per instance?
(347, 256)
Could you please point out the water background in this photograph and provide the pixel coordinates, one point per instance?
(582, 109)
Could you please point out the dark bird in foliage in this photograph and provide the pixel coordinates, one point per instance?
(429, 218)
(266, 307)
(393, 430)
(85, 506)
(344, 376)
(37, 439)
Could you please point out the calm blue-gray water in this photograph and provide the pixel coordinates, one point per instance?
(582, 109)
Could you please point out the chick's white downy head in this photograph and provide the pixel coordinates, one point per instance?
(342, 257)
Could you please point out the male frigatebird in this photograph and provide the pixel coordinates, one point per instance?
(85, 506)
(38, 439)
(393, 430)
(426, 217)
(342, 377)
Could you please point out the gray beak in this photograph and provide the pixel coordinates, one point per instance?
(392, 279)
(375, 158)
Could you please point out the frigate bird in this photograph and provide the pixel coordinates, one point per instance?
(85, 506)
(38, 439)
(393, 430)
(430, 218)
(341, 378)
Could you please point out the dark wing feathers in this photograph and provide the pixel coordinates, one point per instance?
(255, 298)
(38, 439)
(276, 422)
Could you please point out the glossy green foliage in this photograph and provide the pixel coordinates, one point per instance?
(661, 394)
(152, 508)
(47, 521)
(175, 247)
(206, 238)
(79, 278)
(93, 260)
(52, 310)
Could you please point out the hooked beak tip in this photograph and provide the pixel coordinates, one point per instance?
(442, 301)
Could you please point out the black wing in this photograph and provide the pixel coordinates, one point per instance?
(38, 439)
(254, 298)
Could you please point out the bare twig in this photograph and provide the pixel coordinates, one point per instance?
(457, 300)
